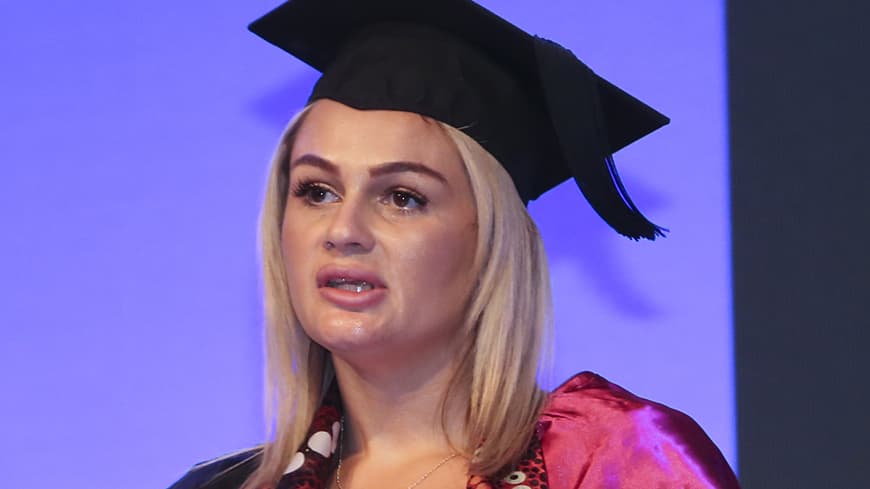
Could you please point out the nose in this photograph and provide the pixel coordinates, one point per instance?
(349, 230)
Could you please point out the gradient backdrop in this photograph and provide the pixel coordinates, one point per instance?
(135, 138)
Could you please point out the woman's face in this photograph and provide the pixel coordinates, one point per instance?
(379, 234)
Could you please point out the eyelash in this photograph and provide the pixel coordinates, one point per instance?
(303, 189)
(421, 201)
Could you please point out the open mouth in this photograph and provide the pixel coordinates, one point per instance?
(348, 279)
(351, 288)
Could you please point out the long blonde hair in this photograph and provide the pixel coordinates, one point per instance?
(507, 326)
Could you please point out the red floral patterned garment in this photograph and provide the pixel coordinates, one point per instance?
(592, 434)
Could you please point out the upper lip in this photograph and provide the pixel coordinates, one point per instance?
(355, 274)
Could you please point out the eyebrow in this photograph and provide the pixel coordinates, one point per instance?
(406, 166)
(315, 161)
(378, 171)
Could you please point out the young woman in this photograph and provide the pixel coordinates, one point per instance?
(406, 286)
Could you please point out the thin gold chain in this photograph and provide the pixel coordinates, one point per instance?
(413, 484)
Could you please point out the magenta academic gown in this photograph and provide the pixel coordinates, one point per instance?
(592, 434)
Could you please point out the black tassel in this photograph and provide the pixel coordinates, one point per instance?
(634, 224)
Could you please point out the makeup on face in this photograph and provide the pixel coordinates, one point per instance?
(376, 234)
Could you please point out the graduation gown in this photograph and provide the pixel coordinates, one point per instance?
(592, 434)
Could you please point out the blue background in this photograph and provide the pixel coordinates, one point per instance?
(135, 139)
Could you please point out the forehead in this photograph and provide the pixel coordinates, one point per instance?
(345, 135)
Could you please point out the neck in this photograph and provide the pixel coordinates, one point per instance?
(398, 409)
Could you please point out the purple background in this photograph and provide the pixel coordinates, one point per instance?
(135, 139)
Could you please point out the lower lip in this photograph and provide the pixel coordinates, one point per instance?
(353, 300)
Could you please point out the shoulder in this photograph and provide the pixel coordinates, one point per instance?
(225, 472)
(596, 434)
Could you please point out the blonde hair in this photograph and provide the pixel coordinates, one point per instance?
(507, 326)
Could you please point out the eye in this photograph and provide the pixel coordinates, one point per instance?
(314, 193)
(407, 200)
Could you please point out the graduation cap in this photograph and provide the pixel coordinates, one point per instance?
(530, 102)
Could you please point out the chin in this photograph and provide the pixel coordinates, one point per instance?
(345, 331)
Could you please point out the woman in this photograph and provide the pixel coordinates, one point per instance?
(406, 286)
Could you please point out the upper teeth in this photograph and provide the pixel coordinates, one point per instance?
(347, 284)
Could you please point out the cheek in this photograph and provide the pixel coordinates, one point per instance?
(296, 248)
(436, 267)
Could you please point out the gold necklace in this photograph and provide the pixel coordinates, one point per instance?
(413, 484)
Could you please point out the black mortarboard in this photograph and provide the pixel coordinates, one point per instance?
(530, 102)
